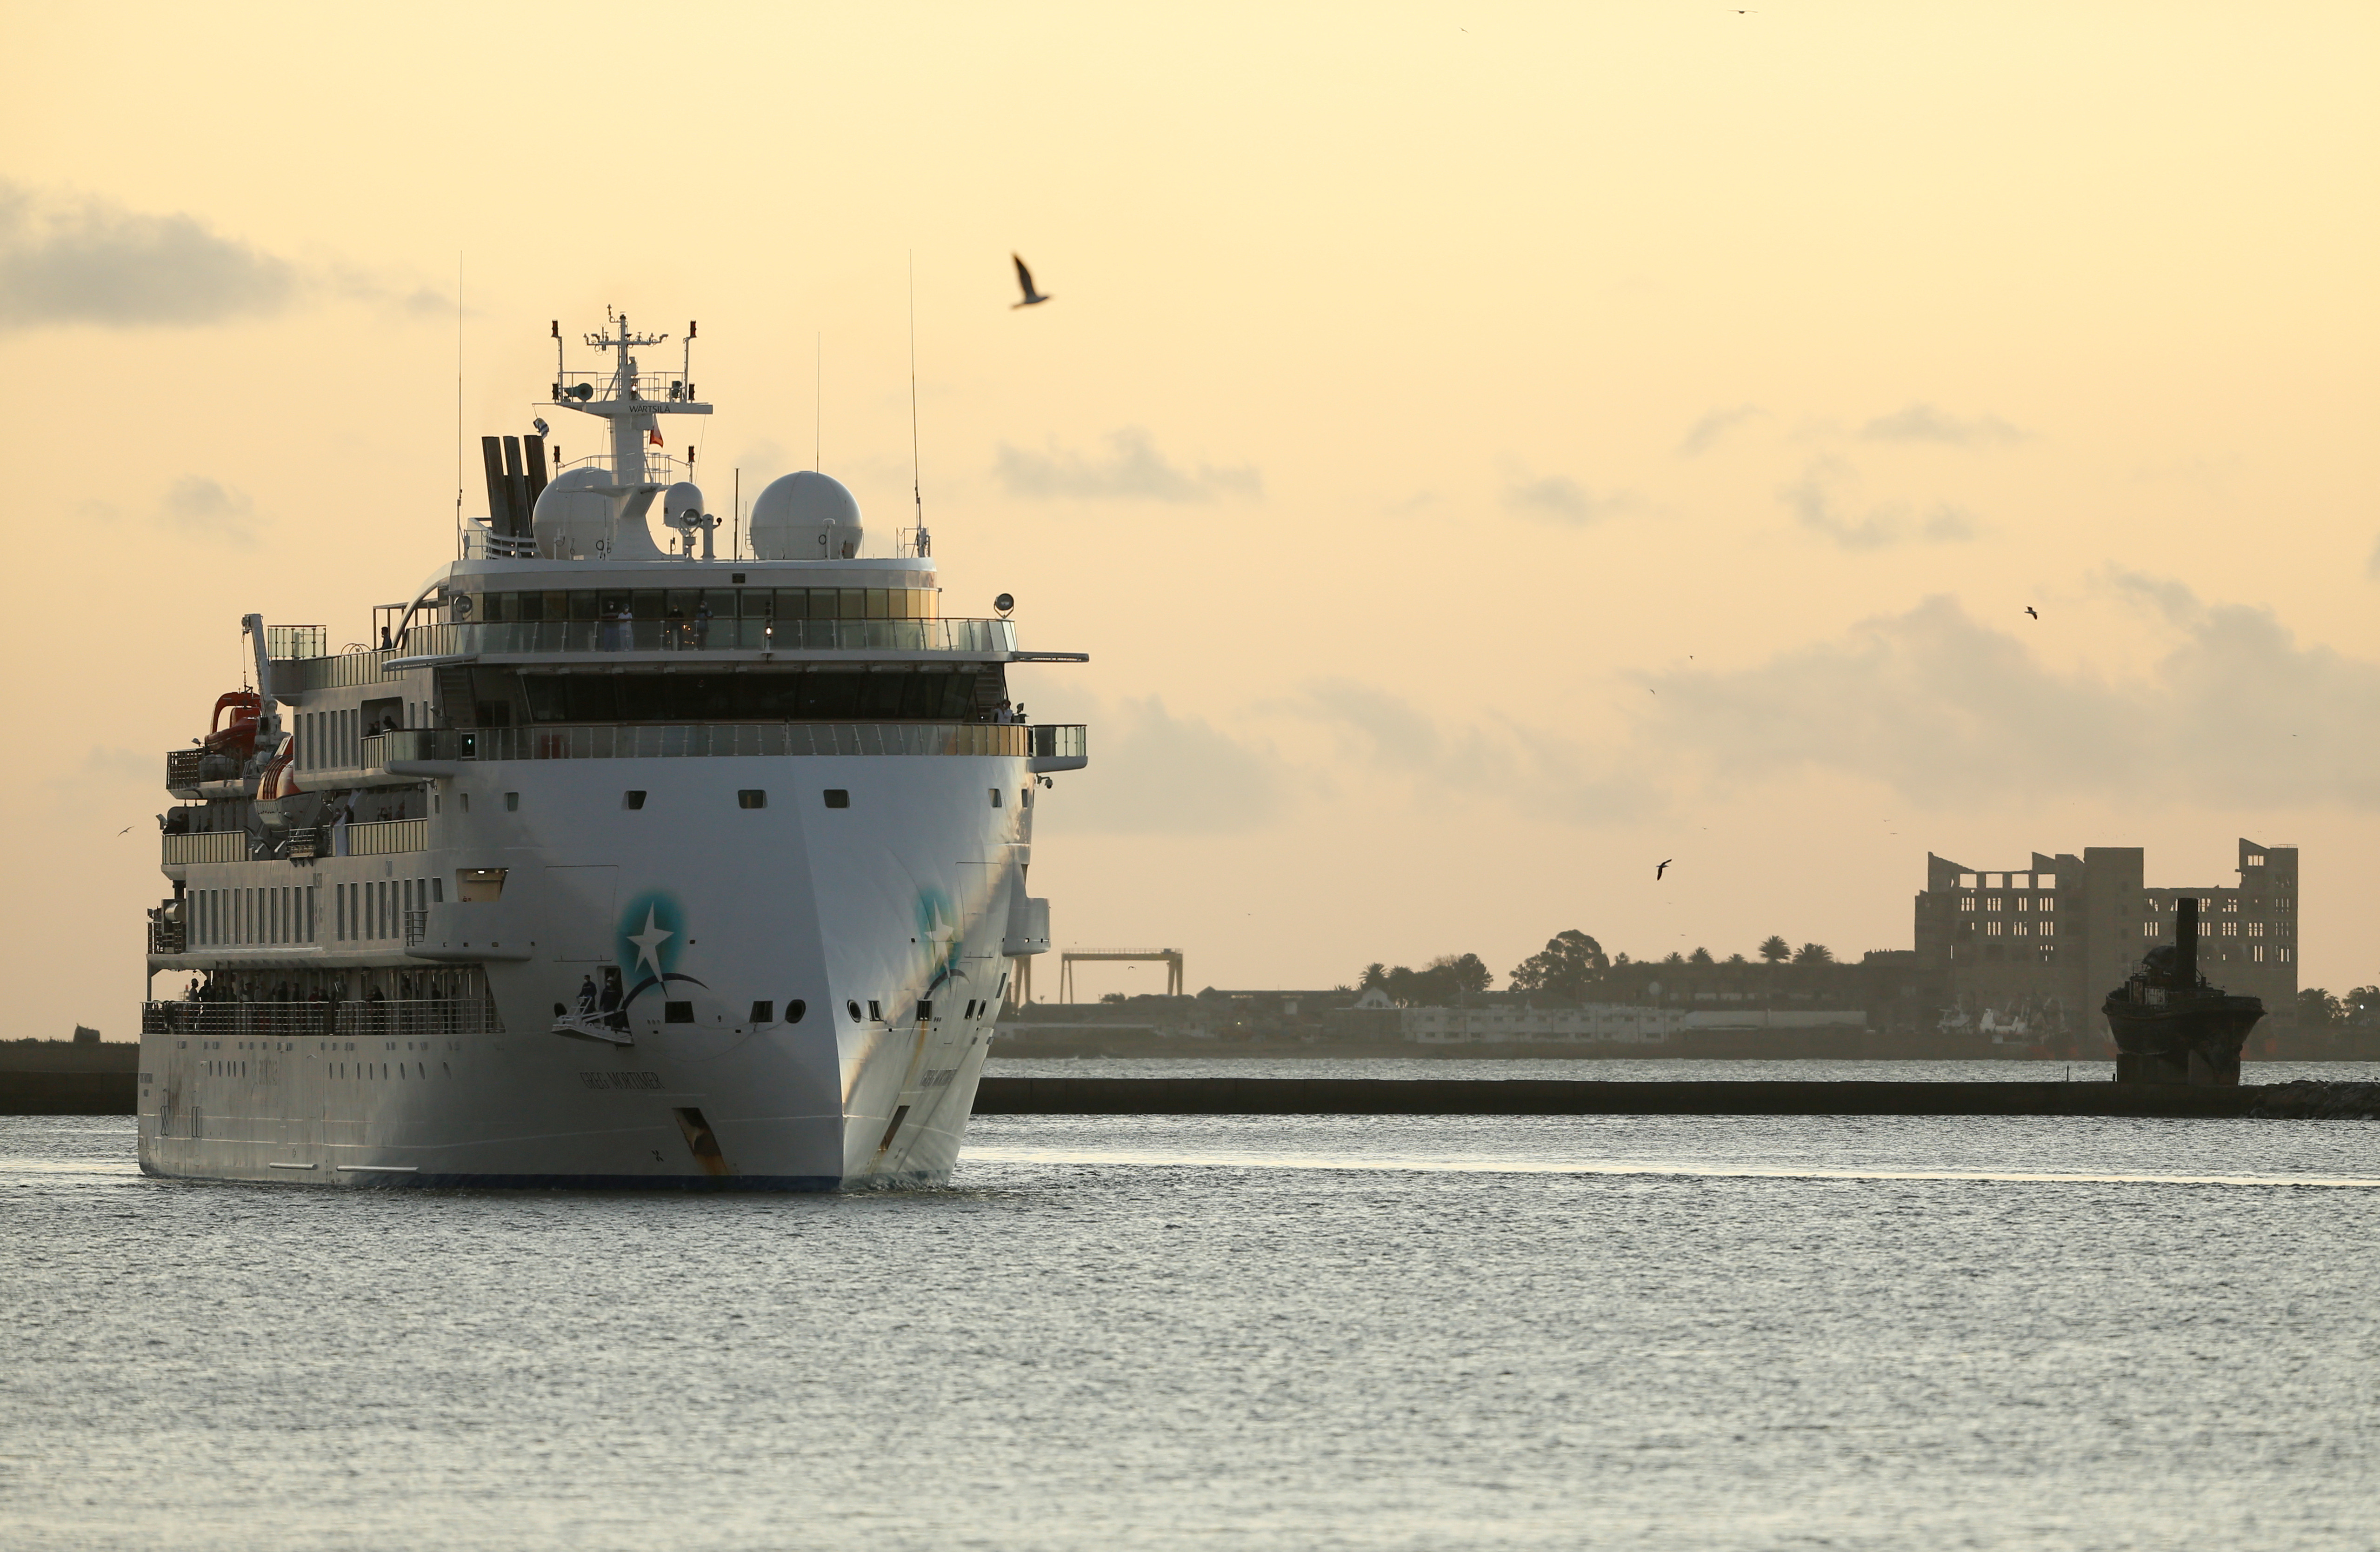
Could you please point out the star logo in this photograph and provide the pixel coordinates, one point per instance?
(649, 942)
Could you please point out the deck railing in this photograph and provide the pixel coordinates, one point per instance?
(696, 741)
(500, 638)
(211, 846)
(394, 1018)
(383, 837)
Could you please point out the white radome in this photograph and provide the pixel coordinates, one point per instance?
(806, 516)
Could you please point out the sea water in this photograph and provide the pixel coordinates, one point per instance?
(1229, 1332)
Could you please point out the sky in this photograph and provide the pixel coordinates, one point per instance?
(1486, 450)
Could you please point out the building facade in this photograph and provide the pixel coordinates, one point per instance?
(2045, 945)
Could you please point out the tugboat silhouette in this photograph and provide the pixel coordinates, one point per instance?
(2170, 1026)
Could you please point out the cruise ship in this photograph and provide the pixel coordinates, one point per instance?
(605, 860)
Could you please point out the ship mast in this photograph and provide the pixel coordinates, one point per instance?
(631, 402)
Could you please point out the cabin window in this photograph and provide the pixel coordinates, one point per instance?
(632, 800)
(678, 1013)
(995, 797)
(764, 1012)
(752, 797)
(837, 797)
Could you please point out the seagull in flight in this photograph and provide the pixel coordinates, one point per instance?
(2030, 610)
(1662, 869)
(1024, 280)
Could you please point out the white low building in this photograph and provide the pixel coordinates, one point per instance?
(1616, 1023)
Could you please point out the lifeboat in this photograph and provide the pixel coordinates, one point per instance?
(236, 738)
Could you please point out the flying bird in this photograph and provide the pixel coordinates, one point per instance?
(2030, 610)
(1024, 280)
(1662, 869)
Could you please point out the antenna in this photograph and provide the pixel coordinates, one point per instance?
(917, 475)
(818, 404)
(458, 398)
(736, 518)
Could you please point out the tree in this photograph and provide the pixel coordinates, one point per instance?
(2317, 1010)
(1456, 976)
(1674, 957)
(1737, 959)
(1700, 957)
(1375, 974)
(1571, 965)
(1775, 950)
(1812, 954)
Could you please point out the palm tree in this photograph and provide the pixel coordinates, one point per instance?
(1775, 950)
(1812, 954)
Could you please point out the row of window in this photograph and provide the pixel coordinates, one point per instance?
(694, 604)
(2222, 929)
(2000, 902)
(259, 916)
(375, 908)
(2007, 881)
(2021, 929)
(930, 695)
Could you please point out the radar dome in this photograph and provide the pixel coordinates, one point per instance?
(573, 522)
(806, 516)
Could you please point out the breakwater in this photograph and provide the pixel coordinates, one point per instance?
(114, 1093)
(1471, 1096)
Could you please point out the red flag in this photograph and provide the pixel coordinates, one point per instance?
(656, 438)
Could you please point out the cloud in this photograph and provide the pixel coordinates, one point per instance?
(1704, 434)
(203, 508)
(1541, 772)
(194, 508)
(1951, 712)
(1557, 498)
(1813, 503)
(1132, 469)
(1923, 422)
(95, 263)
(86, 261)
(1153, 773)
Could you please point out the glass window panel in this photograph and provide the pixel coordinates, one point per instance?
(881, 700)
(878, 608)
(589, 698)
(649, 604)
(681, 602)
(722, 601)
(854, 603)
(957, 690)
(770, 695)
(793, 602)
(831, 697)
(921, 694)
(569, 605)
(899, 599)
(640, 698)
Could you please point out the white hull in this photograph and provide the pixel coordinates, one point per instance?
(897, 904)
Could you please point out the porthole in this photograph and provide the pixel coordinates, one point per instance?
(851, 1008)
(632, 800)
(794, 1010)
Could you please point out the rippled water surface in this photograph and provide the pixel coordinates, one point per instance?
(1229, 1332)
